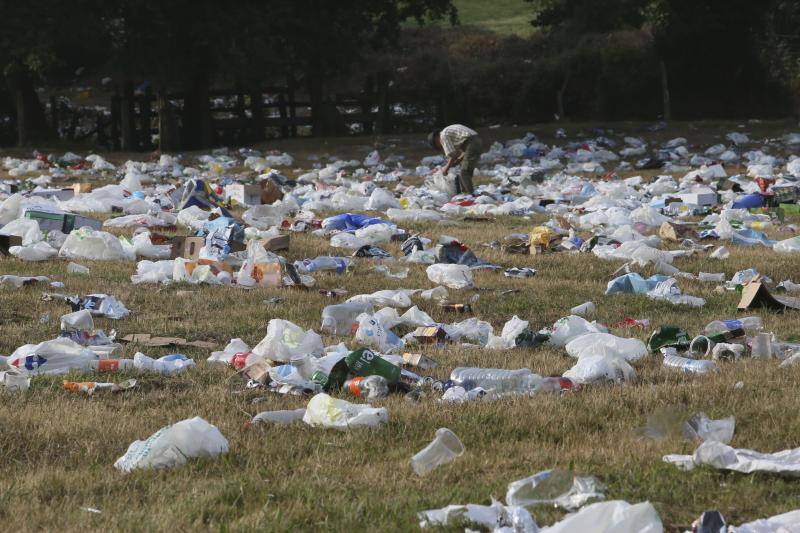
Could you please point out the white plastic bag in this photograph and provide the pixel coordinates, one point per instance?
(285, 340)
(172, 445)
(41, 251)
(325, 411)
(86, 243)
(451, 276)
(611, 517)
(606, 345)
(570, 327)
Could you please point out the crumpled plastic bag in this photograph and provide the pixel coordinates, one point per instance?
(41, 251)
(371, 332)
(172, 445)
(398, 298)
(782, 523)
(724, 457)
(381, 200)
(324, 411)
(26, 228)
(599, 368)
(570, 327)
(495, 517)
(86, 243)
(261, 268)
(57, 356)
(285, 340)
(615, 516)
(554, 487)
(451, 276)
(606, 345)
(508, 336)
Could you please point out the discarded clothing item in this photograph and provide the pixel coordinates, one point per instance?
(350, 222)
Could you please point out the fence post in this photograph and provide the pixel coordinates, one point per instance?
(290, 88)
(127, 118)
(366, 104)
(257, 111)
(145, 117)
(167, 124)
(284, 115)
(115, 105)
(384, 121)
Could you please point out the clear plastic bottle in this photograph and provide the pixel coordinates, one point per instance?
(323, 262)
(339, 319)
(369, 387)
(502, 381)
(689, 366)
(748, 323)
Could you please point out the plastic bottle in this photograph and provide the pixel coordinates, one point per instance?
(748, 323)
(688, 366)
(339, 319)
(369, 387)
(307, 266)
(502, 381)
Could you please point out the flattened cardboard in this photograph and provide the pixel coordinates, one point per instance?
(755, 294)
(419, 360)
(274, 244)
(145, 339)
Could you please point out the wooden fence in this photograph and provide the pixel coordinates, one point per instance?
(142, 120)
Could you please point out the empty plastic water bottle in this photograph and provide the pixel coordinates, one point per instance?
(688, 366)
(501, 381)
(338, 264)
(748, 323)
(339, 319)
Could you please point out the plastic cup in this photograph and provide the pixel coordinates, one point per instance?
(583, 309)
(444, 448)
(701, 346)
(762, 346)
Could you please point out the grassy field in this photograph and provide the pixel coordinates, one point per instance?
(505, 17)
(58, 448)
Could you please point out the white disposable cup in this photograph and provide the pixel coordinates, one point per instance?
(583, 309)
(444, 448)
(762, 346)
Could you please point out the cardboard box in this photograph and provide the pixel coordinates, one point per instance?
(81, 188)
(243, 194)
(270, 192)
(430, 335)
(420, 361)
(698, 198)
(187, 247)
(64, 222)
(7, 241)
(273, 244)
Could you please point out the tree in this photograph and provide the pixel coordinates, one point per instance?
(46, 41)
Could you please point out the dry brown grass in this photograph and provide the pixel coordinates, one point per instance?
(57, 449)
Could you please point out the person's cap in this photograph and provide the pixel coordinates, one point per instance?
(432, 138)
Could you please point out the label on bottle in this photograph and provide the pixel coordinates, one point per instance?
(108, 365)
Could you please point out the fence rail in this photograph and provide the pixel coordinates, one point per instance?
(142, 120)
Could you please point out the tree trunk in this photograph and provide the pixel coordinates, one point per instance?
(167, 124)
(665, 91)
(32, 124)
(198, 129)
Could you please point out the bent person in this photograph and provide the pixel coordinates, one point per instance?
(460, 145)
